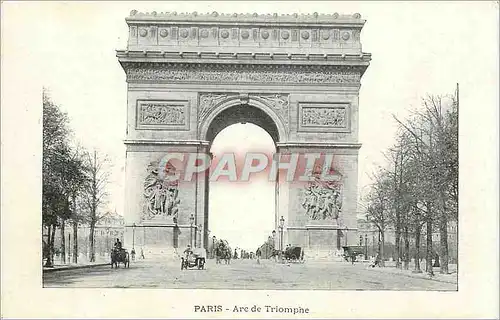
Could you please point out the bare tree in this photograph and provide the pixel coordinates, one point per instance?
(434, 131)
(95, 195)
(378, 209)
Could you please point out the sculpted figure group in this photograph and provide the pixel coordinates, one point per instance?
(161, 193)
(322, 201)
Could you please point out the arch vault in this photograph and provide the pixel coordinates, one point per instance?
(191, 75)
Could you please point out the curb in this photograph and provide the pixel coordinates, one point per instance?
(49, 270)
(414, 277)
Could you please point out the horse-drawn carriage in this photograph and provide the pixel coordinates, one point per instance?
(222, 252)
(352, 252)
(195, 258)
(120, 256)
(294, 254)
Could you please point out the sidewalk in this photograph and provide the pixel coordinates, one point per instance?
(61, 267)
(448, 278)
(84, 263)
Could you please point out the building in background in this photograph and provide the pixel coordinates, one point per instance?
(369, 236)
(111, 226)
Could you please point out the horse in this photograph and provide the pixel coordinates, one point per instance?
(120, 256)
(222, 252)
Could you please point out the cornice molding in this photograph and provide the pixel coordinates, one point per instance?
(362, 59)
(255, 18)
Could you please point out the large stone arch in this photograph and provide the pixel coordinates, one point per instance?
(298, 76)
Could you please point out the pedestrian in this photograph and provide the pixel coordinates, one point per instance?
(436, 261)
(132, 253)
(142, 254)
(118, 245)
(372, 262)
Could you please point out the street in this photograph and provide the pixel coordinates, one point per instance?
(243, 274)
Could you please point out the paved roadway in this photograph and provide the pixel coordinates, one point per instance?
(242, 274)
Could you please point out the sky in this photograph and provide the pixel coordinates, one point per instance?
(417, 48)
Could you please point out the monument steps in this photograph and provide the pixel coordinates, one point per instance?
(323, 255)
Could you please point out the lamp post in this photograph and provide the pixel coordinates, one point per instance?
(282, 224)
(176, 234)
(198, 236)
(373, 244)
(345, 235)
(107, 239)
(133, 236)
(274, 239)
(69, 248)
(213, 246)
(191, 221)
(366, 246)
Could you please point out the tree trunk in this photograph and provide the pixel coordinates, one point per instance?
(443, 243)
(407, 249)
(429, 255)
(63, 243)
(50, 256)
(398, 246)
(91, 241)
(417, 247)
(75, 242)
(51, 245)
(382, 245)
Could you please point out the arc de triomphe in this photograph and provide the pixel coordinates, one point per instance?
(191, 75)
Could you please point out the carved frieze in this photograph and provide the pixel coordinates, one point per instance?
(162, 114)
(240, 73)
(161, 192)
(327, 117)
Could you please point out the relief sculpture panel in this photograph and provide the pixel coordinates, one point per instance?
(162, 115)
(323, 199)
(325, 117)
(329, 117)
(161, 192)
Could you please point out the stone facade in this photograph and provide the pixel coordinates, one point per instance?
(296, 76)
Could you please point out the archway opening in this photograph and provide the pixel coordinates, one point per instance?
(242, 212)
